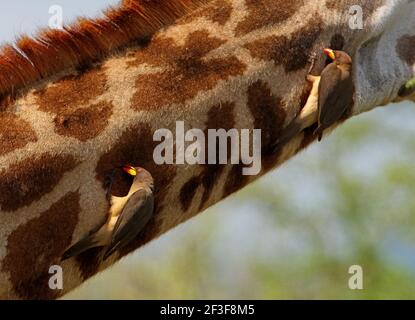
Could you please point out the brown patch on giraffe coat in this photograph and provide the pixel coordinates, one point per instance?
(84, 123)
(89, 261)
(235, 180)
(135, 147)
(219, 11)
(269, 116)
(27, 181)
(15, 133)
(38, 244)
(72, 92)
(262, 13)
(220, 116)
(337, 42)
(69, 99)
(292, 52)
(188, 191)
(186, 70)
(406, 49)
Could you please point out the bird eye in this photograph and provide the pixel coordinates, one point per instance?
(130, 170)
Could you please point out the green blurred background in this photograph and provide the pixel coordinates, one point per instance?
(294, 234)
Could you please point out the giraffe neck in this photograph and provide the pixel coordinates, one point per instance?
(232, 64)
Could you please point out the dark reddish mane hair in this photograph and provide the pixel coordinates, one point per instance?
(86, 41)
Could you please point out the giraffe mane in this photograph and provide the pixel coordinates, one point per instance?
(33, 59)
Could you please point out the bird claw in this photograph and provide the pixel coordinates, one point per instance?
(312, 59)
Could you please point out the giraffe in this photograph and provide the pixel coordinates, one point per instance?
(222, 64)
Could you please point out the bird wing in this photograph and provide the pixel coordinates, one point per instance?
(286, 135)
(335, 95)
(306, 118)
(134, 217)
(91, 241)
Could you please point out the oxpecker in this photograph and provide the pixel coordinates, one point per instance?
(128, 216)
(336, 90)
(332, 94)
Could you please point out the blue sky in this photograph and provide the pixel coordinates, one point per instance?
(25, 16)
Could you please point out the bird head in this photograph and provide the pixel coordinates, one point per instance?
(139, 174)
(339, 57)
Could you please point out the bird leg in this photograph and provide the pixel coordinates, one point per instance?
(312, 59)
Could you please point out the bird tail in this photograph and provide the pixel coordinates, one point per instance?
(319, 133)
(110, 251)
(286, 135)
(89, 242)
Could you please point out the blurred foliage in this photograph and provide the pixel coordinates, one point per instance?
(295, 233)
